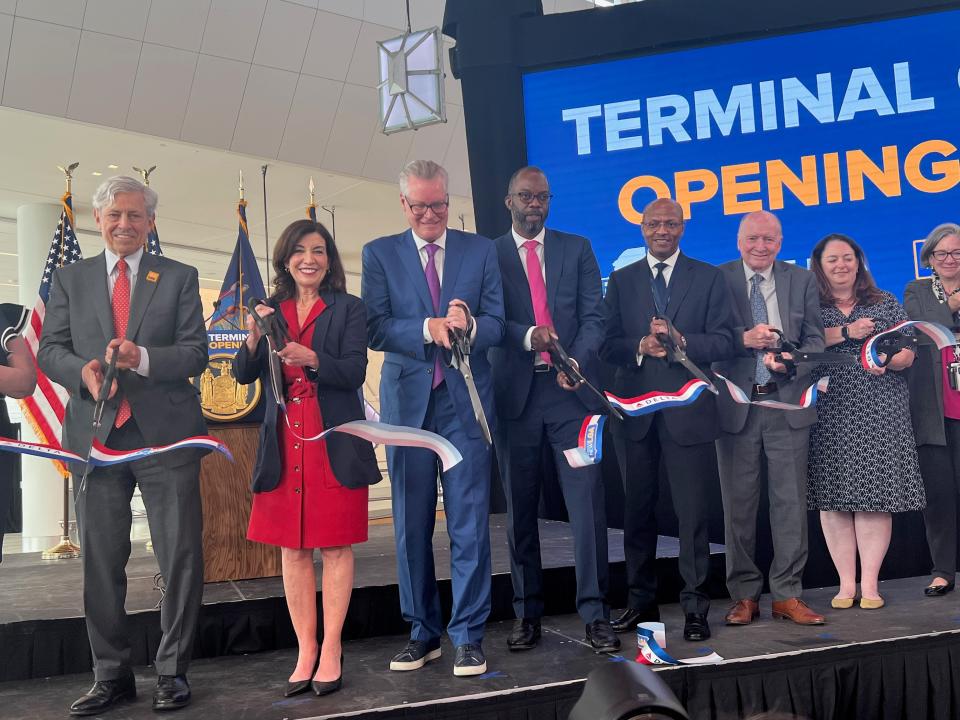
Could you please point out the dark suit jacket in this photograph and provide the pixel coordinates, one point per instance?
(575, 299)
(398, 300)
(699, 309)
(340, 342)
(166, 318)
(925, 376)
(799, 304)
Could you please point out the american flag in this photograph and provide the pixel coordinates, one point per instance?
(153, 242)
(312, 211)
(44, 410)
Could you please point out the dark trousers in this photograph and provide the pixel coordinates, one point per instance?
(554, 417)
(172, 500)
(466, 504)
(690, 469)
(940, 467)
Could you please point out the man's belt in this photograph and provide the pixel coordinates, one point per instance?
(676, 354)
(562, 362)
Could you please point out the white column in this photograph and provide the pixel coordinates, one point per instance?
(42, 484)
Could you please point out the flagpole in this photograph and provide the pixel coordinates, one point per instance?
(243, 219)
(65, 549)
(266, 235)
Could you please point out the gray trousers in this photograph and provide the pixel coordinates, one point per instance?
(172, 500)
(766, 434)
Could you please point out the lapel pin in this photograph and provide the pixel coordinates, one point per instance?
(153, 276)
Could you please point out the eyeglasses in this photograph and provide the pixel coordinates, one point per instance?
(420, 209)
(527, 197)
(942, 255)
(657, 224)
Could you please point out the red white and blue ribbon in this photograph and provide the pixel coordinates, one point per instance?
(652, 648)
(385, 434)
(870, 358)
(101, 455)
(807, 399)
(652, 401)
(589, 449)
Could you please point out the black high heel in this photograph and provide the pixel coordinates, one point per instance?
(296, 687)
(325, 687)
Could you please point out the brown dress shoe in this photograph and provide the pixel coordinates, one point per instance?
(743, 612)
(796, 609)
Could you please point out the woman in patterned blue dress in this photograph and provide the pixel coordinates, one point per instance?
(863, 460)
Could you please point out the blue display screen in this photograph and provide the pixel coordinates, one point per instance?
(851, 129)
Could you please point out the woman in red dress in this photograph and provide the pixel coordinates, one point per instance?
(311, 493)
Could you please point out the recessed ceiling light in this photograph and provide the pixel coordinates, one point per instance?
(113, 167)
(96, 172)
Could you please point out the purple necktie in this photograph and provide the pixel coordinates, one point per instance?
(433, 283)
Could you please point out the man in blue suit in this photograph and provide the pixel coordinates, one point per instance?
(551, 289)
(419, 286)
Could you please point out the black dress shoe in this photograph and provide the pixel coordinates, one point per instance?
(696, 628)
(601, 636)
(295, 687)
(525, 634)
(104, 695)
(416, 654)
(172, 692)
(629, 618)
(469, 660)
(325, 687)
(938, 590)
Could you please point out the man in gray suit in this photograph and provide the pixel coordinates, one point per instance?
(147, 309)
(767, 294)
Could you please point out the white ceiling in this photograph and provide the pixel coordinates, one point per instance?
(203, 89)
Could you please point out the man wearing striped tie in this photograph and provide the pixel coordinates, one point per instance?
(147, 309)
(551, 289)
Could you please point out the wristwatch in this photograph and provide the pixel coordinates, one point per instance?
(845, 332)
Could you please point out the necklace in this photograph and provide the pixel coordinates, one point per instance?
(940, 291)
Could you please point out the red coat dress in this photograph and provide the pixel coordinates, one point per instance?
(309, 508)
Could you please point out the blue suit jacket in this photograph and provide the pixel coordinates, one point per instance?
(575, 299)
(394, 288)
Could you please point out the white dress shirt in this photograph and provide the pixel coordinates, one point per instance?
(133, 272)
(768, 288)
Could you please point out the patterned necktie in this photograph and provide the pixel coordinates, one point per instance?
(538, 291)
(433, 283)
(660, 289)
(121, 313)
(758, 306)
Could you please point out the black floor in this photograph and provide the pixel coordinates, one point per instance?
(235, 688)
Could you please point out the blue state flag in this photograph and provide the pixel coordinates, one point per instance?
(241, 282)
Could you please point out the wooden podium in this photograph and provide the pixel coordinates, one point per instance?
(225, 491)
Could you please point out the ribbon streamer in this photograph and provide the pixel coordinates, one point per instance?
(652, 643)
(807, 399)
(589, 449)
(100, 455)
(941, 336)
(656, 400)
(400, 435)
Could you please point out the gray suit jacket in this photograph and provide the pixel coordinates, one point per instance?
(799, 304)
(166, 317)
(926, 374)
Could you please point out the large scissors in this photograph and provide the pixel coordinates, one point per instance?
(460, 360)
(676, 354)
(108, 377)
(562, 362)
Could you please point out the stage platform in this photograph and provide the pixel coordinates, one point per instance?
(902, 662)
(42, 631)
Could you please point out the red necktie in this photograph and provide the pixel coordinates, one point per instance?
(538, 291)
(121, 313)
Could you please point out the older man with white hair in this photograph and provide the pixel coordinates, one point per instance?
(146, 309)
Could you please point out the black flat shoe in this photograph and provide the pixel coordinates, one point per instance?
(325, 687)
(630, 617)
(295, 687)
(938, 590)
(525, 634)
(172, 693)
(696, 628)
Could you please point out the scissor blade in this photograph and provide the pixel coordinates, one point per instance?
(475, 399)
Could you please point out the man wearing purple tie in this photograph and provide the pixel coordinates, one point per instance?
(419, 286)
(551, 289)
